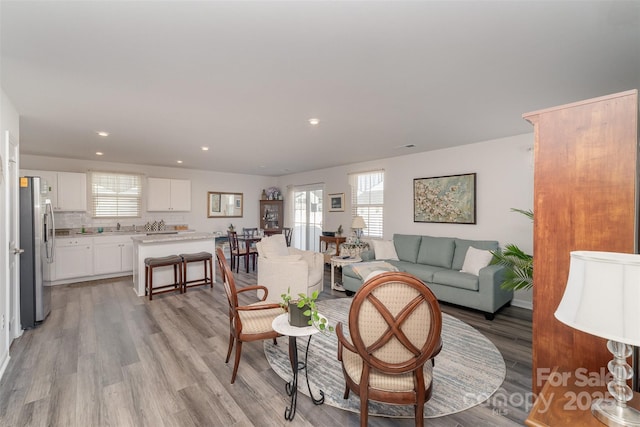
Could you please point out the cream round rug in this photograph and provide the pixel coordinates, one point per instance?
(468, 370)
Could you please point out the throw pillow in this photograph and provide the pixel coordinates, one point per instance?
(385, 249)
(274, 246)
(475, 260)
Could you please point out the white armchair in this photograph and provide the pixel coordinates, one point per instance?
(281, 268)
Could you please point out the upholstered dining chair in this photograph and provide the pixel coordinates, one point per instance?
(394, 325)
(246, 322)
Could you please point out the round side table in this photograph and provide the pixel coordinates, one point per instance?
(281, 325)
(337, 261)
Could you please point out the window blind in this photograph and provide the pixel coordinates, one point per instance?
(115, 195)
(367, 200)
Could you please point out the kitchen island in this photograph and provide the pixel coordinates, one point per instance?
(160, 245)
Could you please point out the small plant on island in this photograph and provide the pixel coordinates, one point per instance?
(308, 303)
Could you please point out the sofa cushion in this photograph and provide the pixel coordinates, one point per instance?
(273, 246)
(461, 250)
(456, 279)
(384, 249)
(407, 246)
(436, 251)
(421, 271)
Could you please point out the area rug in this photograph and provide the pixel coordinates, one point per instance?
(468, 370)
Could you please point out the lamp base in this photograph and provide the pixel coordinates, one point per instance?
(610, 413)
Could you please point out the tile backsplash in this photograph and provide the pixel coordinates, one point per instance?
(83, 219)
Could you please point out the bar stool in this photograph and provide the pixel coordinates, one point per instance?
(207, 259)
(167, 261)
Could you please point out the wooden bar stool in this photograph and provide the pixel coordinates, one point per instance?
(167, 261)
(207, 260)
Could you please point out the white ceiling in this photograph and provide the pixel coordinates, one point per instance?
(165, 78)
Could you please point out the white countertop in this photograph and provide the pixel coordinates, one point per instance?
(160, 238)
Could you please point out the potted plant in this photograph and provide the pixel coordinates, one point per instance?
(231, 227)
(339, 231)
(304, 312)
(519, 265)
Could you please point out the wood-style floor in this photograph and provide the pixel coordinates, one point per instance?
(105, 357)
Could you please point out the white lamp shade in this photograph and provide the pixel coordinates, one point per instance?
(358, 222)
(602, 296)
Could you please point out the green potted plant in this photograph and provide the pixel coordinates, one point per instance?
(304, 312)
(519, 265)
(231, 227)
(339, 231)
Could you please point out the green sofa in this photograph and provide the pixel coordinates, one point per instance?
(437, 261)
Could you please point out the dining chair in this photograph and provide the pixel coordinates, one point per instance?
(287, 235)
(235, 250)
(395, 327)
(246, 322)
(250, 232)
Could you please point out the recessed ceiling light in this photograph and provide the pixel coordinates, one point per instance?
(313, 121)
(99, 153)
(205, 148)
(102, 133)
(178, 161)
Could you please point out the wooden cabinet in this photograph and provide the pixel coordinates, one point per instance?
(271, 215)
(585, 184)
(112, 254)
(73, 257)
(67, 190)
(168, 194)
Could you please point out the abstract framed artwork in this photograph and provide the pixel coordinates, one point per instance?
(445, 199)
(336, 202)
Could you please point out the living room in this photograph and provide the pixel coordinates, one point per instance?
(503, 162)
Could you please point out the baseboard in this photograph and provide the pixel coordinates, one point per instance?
(4, 364)
(522, 304)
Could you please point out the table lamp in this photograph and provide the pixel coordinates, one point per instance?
(602, 298)
(357, 225)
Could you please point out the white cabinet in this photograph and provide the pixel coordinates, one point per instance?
(112, 254)
(72, 192)
(168, 194)
(73, 257)
(67, 190)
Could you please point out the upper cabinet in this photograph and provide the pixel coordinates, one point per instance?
(168, 194)
(67, 190)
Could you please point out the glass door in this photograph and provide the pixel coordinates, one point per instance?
(307, 218)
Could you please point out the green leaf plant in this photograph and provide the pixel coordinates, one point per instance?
(518, 264)
(320, 323)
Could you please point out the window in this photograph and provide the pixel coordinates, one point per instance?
(367, 200)
(115, 195)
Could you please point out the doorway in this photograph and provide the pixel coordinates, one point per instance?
(307, 217)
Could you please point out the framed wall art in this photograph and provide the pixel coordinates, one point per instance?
(446, 199)
(336, 202)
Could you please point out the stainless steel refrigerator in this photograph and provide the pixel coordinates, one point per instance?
(37, 234)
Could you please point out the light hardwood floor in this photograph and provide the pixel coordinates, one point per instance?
(105, 357)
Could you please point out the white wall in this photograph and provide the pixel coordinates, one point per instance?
(9, 121)
(201, 182)
(504, 179)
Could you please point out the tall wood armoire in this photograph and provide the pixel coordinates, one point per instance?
(585, 186)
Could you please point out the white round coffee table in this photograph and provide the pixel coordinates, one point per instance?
(338, 261)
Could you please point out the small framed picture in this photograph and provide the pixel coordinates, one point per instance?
(336, 202)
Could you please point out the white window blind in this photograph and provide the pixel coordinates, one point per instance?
(367, 200)
(115, 195)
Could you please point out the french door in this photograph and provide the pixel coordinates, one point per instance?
(307, 217)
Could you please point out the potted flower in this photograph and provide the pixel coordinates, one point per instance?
(304, 312)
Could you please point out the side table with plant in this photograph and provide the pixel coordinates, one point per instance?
(304, 312)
